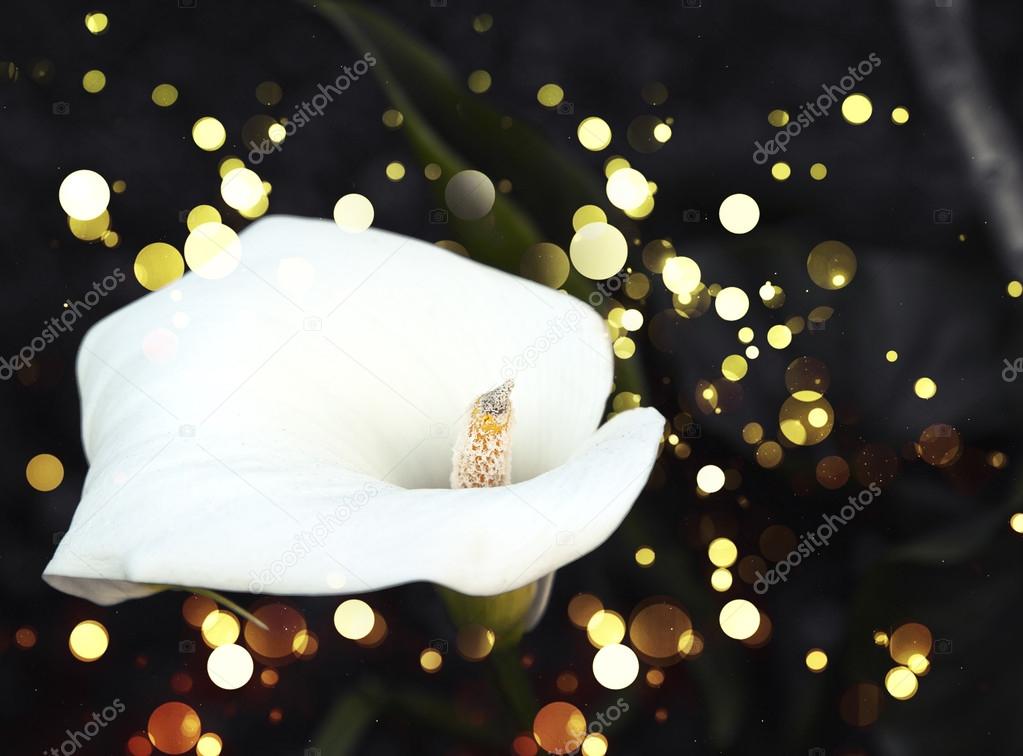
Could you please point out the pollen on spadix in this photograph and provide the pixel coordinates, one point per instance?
(482, 456)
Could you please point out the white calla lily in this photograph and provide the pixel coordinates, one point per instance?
(296, 436)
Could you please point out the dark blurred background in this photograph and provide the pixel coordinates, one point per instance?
(936, 548)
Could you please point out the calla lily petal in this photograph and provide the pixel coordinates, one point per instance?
(296, 436)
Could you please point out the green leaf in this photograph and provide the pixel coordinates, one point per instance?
(345, 723)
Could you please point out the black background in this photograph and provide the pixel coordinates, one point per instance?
(935, 548)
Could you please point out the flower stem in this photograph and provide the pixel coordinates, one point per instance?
(222, 600)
